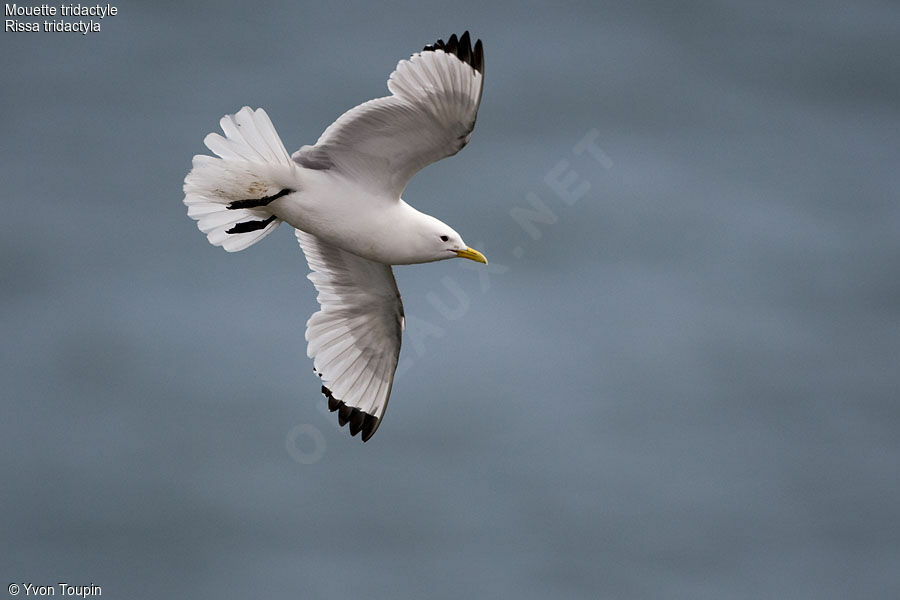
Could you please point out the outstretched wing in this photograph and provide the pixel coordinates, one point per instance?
(430, 115)
(354, 340)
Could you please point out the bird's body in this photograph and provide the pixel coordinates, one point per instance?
(342, 213)
(343, 198)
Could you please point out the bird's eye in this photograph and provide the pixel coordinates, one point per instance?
(444, 238)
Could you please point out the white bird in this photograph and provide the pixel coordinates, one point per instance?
(342, 196)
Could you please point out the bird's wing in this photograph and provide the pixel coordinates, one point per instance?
(354, 339)
(430, 115)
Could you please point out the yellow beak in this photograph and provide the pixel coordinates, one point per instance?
(472, 254)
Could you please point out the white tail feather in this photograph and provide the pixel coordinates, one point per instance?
(252, 165)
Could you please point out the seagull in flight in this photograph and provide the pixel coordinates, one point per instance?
(343, 198)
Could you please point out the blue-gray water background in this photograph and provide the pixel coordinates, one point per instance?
(686, 387)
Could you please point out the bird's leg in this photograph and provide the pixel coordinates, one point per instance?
(260, 202)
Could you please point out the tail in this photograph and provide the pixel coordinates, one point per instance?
(228, 196)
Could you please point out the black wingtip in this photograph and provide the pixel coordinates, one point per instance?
(370, 424)
(360, 421)
(478, 57)
(333, 404)
(465, 49)
(461, 47)
(344, 413)
(356, 421)
(438, 45)
(452, 44)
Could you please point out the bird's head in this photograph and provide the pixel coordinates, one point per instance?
(439, 241)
